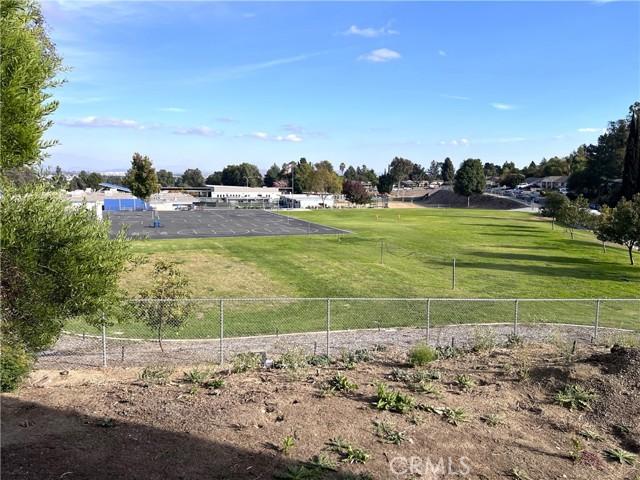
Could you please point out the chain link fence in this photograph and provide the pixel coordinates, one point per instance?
(188, 332)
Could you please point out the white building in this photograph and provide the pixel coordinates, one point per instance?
(308, 201)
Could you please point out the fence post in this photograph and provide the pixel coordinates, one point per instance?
(515, 319)
(328, 324)
(221, 332)
(104, 342)
(428, 320)
(595, 332)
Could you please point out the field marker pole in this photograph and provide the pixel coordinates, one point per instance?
(221, 331)
(381, 251)
(428, 320)
(595, 333)
(515, 319)
(104, 342)
(328, 324)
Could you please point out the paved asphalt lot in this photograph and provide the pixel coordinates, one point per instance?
(215, 223)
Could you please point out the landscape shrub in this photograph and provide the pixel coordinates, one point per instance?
(15, 365)
(421, 355)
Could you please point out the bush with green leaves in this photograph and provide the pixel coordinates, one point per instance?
(421, 355)
(393, 401)
(15, 365)
(575, 397)
(246, 361)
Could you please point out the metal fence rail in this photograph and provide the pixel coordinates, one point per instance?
(146, 332)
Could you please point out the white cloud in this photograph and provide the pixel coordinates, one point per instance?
(455, 142)
(202, 131)
(502, 106)
(380, 55)
(102, 122)
(464, 141)
(370, 32)
(172, 109)
(293, 128)
(292, 137)
(227, 120)
(592, 130)
(442, 53)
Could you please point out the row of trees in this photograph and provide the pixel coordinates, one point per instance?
(619, 224)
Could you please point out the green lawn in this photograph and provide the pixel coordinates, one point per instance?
(396, 253)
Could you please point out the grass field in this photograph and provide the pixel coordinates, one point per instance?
(392, 253)
(498, 255)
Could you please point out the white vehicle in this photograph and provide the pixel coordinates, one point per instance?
(564, 191)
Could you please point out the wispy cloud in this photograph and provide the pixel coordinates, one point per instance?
(172, 109)
(455, 143)
(300, 130)
(370, 32)
(503, 106)
(456, 97)
(241, 70)
(592, 130)
(226, 120)
(292, 137)
(102, 122)
(380, 55)
(200, 131)
(442, 53)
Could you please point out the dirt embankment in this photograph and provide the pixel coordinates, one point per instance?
(449, 198)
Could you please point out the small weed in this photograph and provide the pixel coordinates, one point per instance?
(591, 435)
(194, 390)
(320, 462)
(575, 397)
(523, 368)
(416, 420)
(214, 384)
(515, 340)
(350, 359)
(298, 472)
(381, 347)
(591, 459)
(106, 423)
(493, 419)
(356, 455)
(197, 376)
(421, 355)
(518, 474)
(320, 360)
(577, 449)
(393, 401)
(246, 361)
(388, 432)
(399, 374)
(425, 387)
(287, 444)
(337, 444)
(623, 428)
(482, 338)
(621, 455)
(565, 349)
(341, 383)
(156, 375)
(454, 415)
(293, 359)
(464, 381)
(448, 352)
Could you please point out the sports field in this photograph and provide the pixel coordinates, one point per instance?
(402, 253)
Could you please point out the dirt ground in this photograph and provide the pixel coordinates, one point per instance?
(130, 423)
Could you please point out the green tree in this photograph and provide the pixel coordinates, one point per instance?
(342, 167)
(631, 170)
(168, 312)
(29, 67)
(242, 175)
(434, 170)
(355, 192)
(385, 183)
(400, 169)
(350, 173)
(165, 178)
(553, 203)
(192, 177)
(621, 224)
(141, 178)
(58, 261)
(574, 214)
(323, 182)
(274, 174)
(418, 174)
(447, 171)
(490, 169)
(470, 179)
(58, 179)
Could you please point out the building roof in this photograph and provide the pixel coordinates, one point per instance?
(112, 186)
(555, 178)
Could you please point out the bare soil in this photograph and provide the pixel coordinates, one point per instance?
(111, 423)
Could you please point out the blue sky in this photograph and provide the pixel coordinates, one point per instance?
(207, 84)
